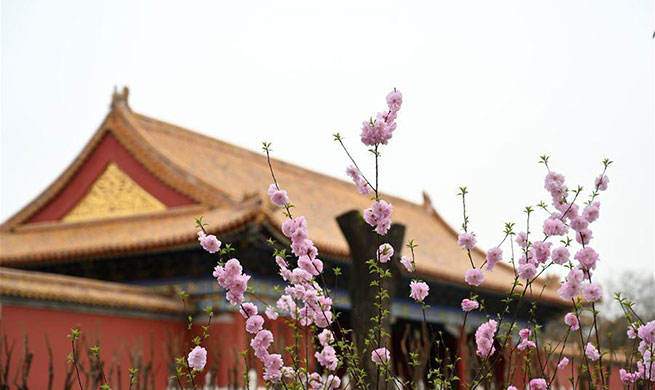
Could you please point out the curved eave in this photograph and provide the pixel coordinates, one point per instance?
(121, 124)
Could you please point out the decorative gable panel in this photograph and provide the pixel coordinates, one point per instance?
(113, 194)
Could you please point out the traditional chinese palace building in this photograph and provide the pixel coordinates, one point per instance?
(107, 244)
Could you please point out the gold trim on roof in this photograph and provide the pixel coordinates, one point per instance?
(114, 194)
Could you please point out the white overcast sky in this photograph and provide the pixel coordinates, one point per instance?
(488, 87)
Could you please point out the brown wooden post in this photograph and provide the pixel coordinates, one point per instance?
(363, 243)
(463, 353)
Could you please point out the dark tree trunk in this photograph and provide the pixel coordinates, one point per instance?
(363, 244)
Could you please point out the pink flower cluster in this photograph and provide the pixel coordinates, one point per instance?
(572, 286)
(571, 320)
(525, 340)
(273, 363)
(474, 277)
(538, 384)
(327, 357)
(362, 187)
(380, 130)
(591, 352)
(378, 216)
(591, 292)
(494, 255)
(209, 242)
(317, 307)
(407, 263)
(469, 305)
(385, 252)
(380, 356)
(278, 197)
(645, 365)
(231, 278)
(418, 290)
(484, 338)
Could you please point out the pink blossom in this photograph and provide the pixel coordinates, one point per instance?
(362, 187)
(538, 384)
(529, 258)
(419, 290)
(271, 313)
(601, 182)
(569, 210)
(281, 262)
(385, 251)
(524, 333)
(466, 241)
(646, 332)
(260, 343)
(325, 337)
(627, 378)
(554, 182)
(591, 292)
(541, 250)
(527, 271)
(254, 324)
(233, 267)
(197, 358)
(512, 388)
(563, 363)
(494, 255)
(272, 365)
(591, 352)
(407, 263)
(231, 279)
(484, 338)
(525, 342)
(327, 358)
(571, 320)
(394, 100)
(579, 223)
(209, 242)
(568, 290)
(323, 318)
(474, 277)
(379, 216)
(632, 332)
(554, 227)
(584, 236)
(306, 263)
(380, 356)
(333, 382)
(248, 310)
(591, 212)
(587, 257)
(469, 305)
(560, 255)
(280, 198)
(646, 368)
(522, 239)
(380, 130)
(295, 227)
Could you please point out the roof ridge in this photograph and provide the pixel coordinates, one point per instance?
(282, 163)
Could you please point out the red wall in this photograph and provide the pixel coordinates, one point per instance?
(116, 334)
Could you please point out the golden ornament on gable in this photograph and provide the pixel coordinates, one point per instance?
(113, 194)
